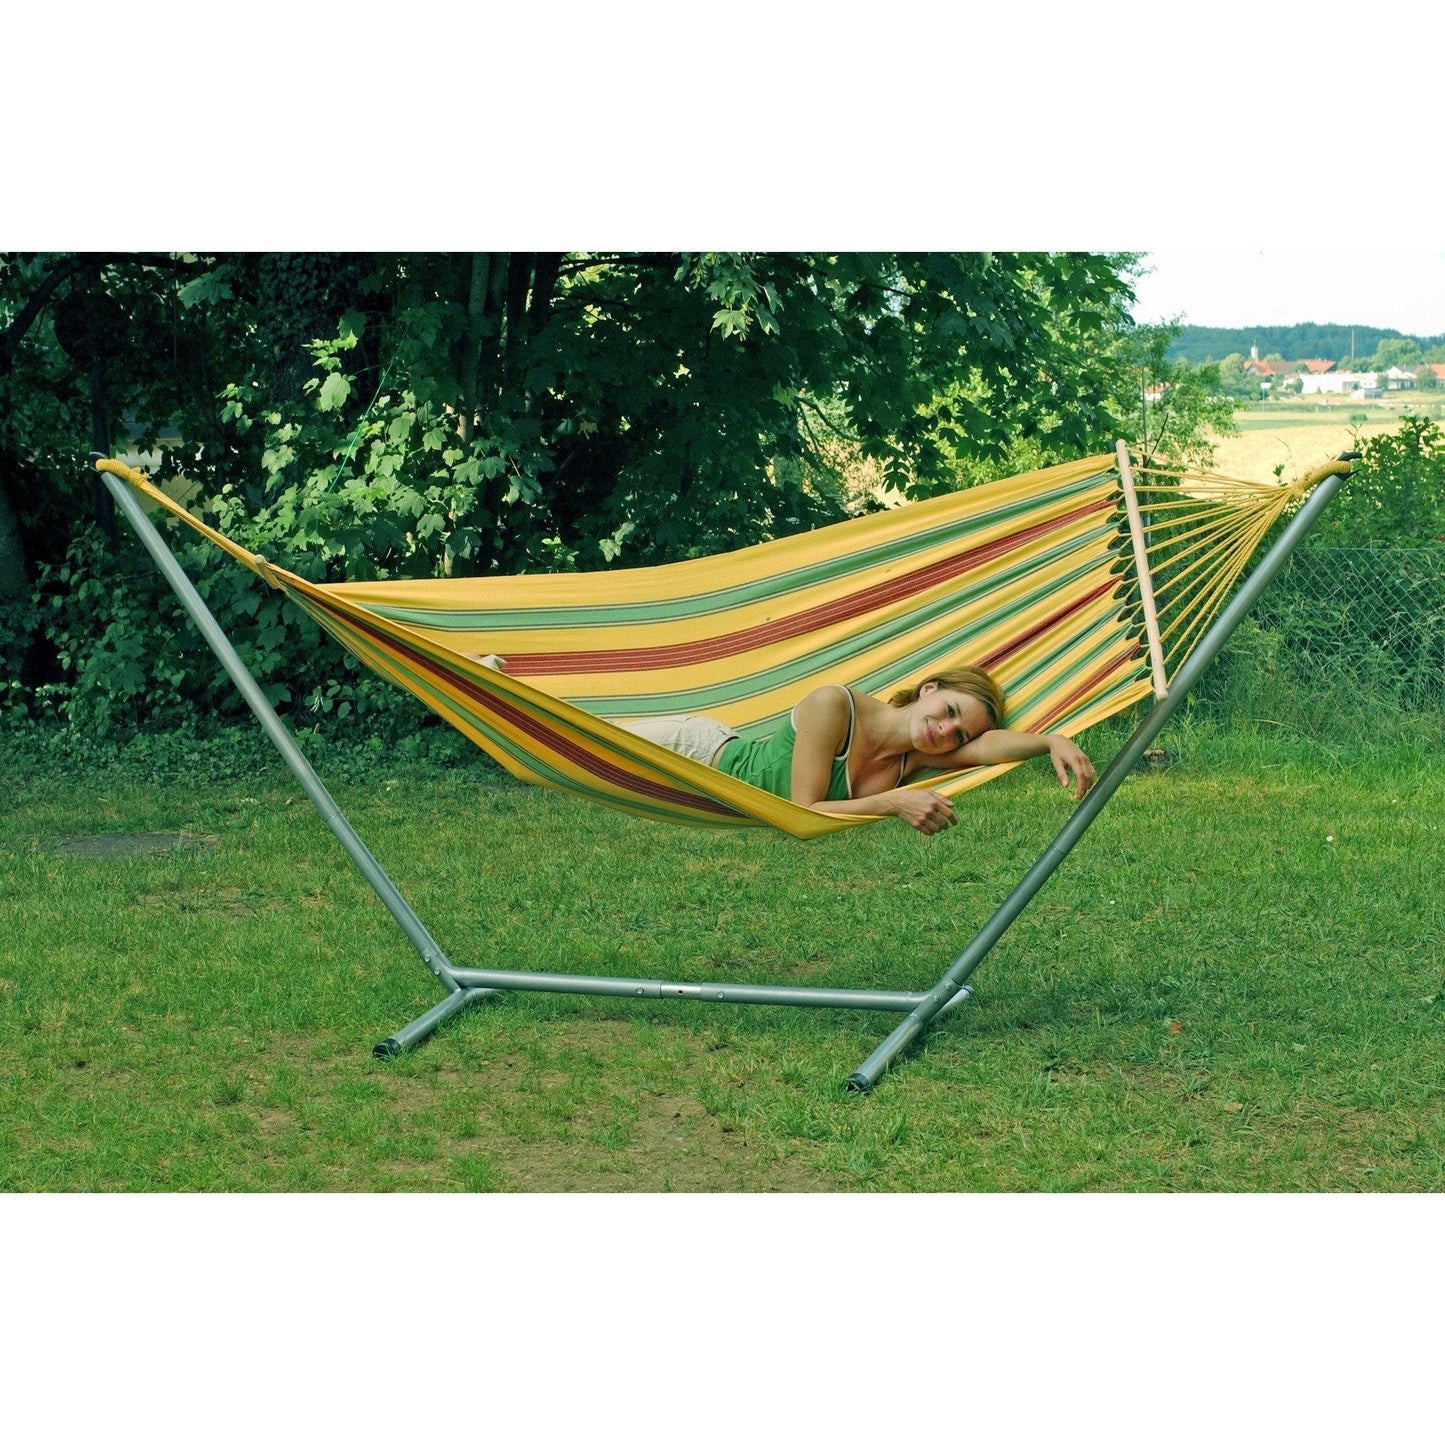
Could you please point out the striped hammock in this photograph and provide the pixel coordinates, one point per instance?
(1035, 578)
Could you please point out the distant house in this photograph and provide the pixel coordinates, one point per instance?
(1267, 373)
(1361, 382)
(1277, 370)
(1433, 369)
(1153, 393)
(1398, 379)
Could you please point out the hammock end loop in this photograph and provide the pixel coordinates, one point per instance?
(264, 570)
(1341, 466)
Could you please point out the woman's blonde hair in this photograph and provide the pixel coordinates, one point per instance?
(971, 681)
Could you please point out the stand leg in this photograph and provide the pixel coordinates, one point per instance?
(315, 789)
(871, 1070)
(410, 1035)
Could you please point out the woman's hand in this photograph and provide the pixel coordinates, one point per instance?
(1067, 757)
(920, 808)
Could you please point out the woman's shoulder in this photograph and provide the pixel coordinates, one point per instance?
(830, 699)
(829, 707)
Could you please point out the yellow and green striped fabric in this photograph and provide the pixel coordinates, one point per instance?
(1029, 577)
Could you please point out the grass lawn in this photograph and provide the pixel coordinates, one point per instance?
(1235, 983)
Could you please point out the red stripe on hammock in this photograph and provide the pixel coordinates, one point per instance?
(1084, 688)
(1008, 648)
(540, 732)
(842, 609)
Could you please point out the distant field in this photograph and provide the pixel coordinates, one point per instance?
(1300, 435)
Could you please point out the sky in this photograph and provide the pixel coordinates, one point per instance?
(1276, 288)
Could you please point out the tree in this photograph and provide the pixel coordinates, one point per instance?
(1234, 381)
(1403, 352)
(85, 341)
(543, 410)
(450, 413)
(1172, 411)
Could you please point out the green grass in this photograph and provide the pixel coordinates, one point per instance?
(1333, 410)
(1209, 995)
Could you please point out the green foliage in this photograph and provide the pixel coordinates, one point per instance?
(19, 623)
(127, 653)
(360, 417)
(1351, 636)
(197, 750)
(1395, 496)
(1167, 409)
(1235, 382)
(1403, 352)
(1002, 356)
(1345, 642)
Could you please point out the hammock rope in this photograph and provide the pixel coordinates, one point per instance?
(1032, 577)
(1205, 528)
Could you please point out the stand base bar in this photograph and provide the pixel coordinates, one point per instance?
(424, 1025)
(472, 979)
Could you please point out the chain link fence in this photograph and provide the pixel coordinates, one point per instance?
(1340, 625)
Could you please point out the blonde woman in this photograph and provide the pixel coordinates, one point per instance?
(842, 751)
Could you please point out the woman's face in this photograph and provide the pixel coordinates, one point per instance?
(942, 719)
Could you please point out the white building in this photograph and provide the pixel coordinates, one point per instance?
(1340, 381)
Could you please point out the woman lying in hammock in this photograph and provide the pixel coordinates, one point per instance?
(841, 751)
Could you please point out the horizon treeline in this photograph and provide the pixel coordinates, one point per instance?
(1199, 344)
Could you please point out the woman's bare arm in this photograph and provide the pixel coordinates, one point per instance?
(1002, 745)
(920, 808)
(821, 720)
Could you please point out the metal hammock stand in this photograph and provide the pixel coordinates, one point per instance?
(466, 986)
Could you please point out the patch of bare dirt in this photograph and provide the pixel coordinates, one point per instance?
(120, 845)
(541, 1134)
(673, 1146)
(584, 1105)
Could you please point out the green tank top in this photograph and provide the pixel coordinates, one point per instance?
(767, 763)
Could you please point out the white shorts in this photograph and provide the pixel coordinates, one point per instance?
(698, 738)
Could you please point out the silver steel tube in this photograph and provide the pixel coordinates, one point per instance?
(871, 1070)
(653, 988)
(335, 819)
(420, 1027)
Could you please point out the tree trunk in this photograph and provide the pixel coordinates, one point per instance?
(519, 282)
(544, 282)
(14, 573)
(476, 337)
(497, 310)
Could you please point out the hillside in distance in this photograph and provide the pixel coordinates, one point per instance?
(1196, 344)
